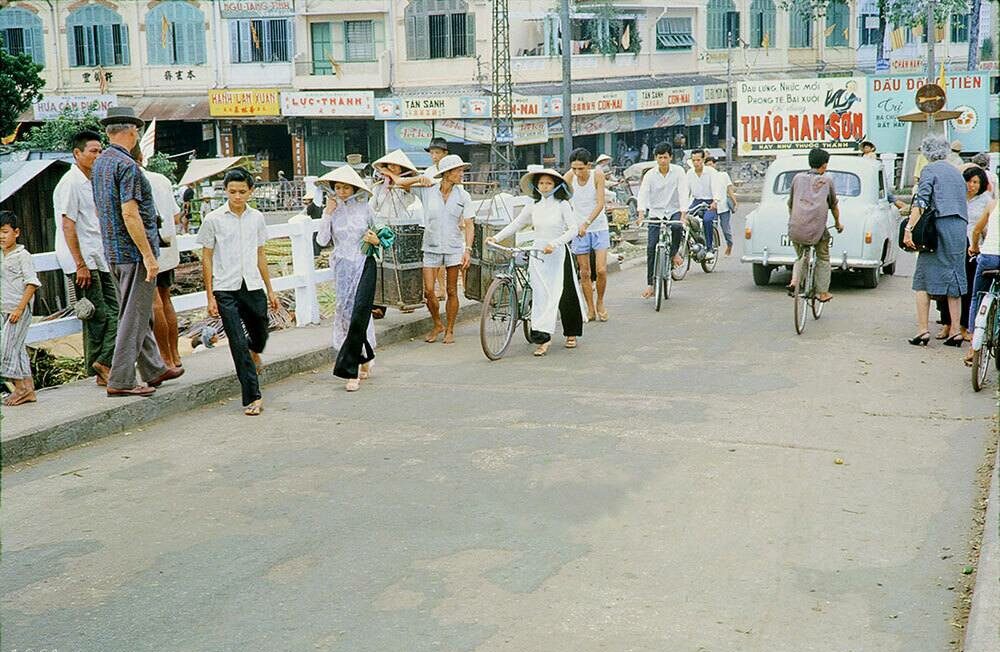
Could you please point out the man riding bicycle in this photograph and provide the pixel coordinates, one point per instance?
(707, 190)
(811, 195)
(663, 194)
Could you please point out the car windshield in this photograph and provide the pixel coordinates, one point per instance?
(846, 183)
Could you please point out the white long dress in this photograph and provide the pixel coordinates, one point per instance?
(554, 224)
(345, 227)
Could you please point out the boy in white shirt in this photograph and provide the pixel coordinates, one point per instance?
(663, 194)
(234, 267)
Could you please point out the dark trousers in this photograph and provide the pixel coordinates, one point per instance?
(653, 238)
(100, 330)
(244, 318)
(942, 304)
(357, 350)
(569, 305)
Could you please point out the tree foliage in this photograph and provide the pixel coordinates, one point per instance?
(20, 84)
(159, 162)
(55, 135)
(902, 13)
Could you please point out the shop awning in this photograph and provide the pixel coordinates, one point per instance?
(200, 169)
(619, 84)
(16, 174)
(170, 107)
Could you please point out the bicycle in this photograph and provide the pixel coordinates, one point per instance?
(806, 289)
(986, 335)
(506, 302)
(662, 274)
(691, 250)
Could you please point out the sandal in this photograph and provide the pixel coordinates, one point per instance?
(570, 342)
(254, 409)
(364, 374)
(353, 385)
(602, 315)
(541, 350)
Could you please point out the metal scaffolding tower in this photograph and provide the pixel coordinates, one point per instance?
(502, 150)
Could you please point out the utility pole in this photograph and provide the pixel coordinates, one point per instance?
(931, 32)
(567, 92)
(729, 97)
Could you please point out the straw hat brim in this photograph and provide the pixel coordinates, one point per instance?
(345, 174)
(463, 166)
(528, 181)
(397, 157)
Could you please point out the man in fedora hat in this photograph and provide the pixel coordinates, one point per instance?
(123, 199)
(448, 233)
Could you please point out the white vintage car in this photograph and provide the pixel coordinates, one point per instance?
(868, 246)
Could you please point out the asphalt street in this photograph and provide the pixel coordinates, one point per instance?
(699, 479)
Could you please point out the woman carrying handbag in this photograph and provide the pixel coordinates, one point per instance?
(940, 272)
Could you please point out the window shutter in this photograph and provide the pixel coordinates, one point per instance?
(37, 51)
(234, 41)
(337, 49)
(410, 25)
(379, 26)
(470, 34)
(155, 52)
(423, 38)
(104, 45)
(320, 35)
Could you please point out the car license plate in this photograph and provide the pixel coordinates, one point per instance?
(785, 242)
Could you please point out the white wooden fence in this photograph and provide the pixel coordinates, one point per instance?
(303, 279)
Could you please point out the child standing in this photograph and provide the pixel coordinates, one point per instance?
(349, 225)
(234, 267)
(18, 290)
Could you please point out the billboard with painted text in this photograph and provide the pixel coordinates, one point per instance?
(796, 115)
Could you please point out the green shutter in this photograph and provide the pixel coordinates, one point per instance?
(320, 34)
(325, 143)
(470, 34)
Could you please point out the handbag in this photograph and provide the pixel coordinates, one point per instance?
(924, 234)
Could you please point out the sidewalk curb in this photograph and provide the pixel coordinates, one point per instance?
(112, 417)
(982, 633)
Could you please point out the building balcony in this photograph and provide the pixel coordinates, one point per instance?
(321, 75)
(536, 69)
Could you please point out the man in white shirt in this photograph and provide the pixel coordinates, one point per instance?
(164, 317)
(663, 194)
(706, 190)
(234, 268)
(80, 251)
(728, 207)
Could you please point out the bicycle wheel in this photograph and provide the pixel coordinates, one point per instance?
(658, 263)
(685, 253)
(498, 318)
(817, 307)
(981, 356)
(525, 313)
(800, 297)
(708, 266)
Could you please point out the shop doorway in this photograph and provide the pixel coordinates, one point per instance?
(270, 145)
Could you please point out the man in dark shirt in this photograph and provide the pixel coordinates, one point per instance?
(124, 202)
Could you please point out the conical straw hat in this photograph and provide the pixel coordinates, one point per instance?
(343, 174)
(398, 158)
(451, 162)
(528, 181)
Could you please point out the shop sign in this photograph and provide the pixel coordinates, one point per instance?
(418, 108)
(51, 106)
(800, 114)
(256, 8)
(603, 123)
(408, 135)
(476, 107)
(907, 65)
(890, 96)
(244, 102)
(714, 93)
(328, 104)
(591, 103)
(659, 118)
(531, 132)
(697, 115)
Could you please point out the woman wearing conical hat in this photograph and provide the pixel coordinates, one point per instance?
(555, 289)
(390, 202)
(350, 225)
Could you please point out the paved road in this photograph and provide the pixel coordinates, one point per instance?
(669, 485)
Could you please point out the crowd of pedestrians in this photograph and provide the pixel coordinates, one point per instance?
(116, 243)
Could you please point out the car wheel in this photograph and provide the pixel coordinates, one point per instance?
(761, 274)
(889, 269)
(869, 277)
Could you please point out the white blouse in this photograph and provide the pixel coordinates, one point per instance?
(552, 220)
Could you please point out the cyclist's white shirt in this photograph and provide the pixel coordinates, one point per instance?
(662, 195)
(991, 244)
(709, 186)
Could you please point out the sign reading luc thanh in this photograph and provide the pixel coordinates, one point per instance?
(256, 8)
(328, 104)
(51, 106)
(800, 114)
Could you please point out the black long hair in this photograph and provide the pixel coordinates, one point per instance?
(561, 193)
(976, 171)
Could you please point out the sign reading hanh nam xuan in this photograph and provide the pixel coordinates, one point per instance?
(800, 114)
